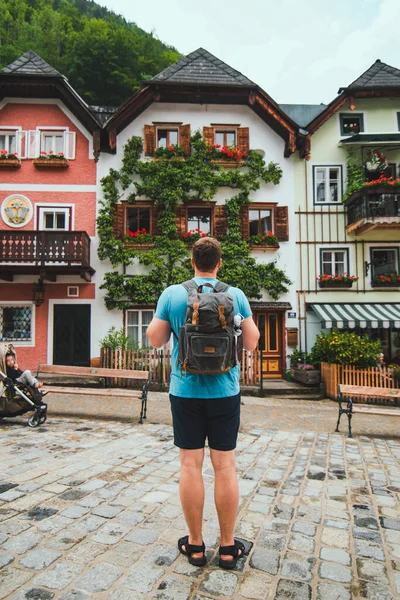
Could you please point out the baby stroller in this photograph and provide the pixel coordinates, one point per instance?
(15, 401)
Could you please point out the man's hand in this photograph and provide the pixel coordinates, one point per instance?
(158, 332)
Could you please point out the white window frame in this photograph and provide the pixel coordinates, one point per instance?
(333, 261)
(36, 141)
(41, 208)
(140, 312)
(20, 343)
(327, 169)
(52, 209)
(20, 146)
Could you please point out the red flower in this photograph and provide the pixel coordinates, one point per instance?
(50, 151)
(270, 234)
(170, 147)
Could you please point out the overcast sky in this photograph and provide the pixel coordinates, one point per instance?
(298, 52)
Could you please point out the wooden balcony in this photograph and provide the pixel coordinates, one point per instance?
(373, 208)
(44, 253)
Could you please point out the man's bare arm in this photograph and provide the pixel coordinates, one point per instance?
(158, 332)
(250, 334)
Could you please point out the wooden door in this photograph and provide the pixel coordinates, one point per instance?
(270, 345)
(71, 335)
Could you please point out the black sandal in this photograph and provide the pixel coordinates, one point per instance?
(191, 549)
(231, 551)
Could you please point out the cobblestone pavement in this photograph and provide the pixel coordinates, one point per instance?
(90, 509)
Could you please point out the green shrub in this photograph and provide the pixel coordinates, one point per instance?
(115, 339)
(345, 348)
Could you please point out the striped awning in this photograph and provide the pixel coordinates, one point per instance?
(348, 316)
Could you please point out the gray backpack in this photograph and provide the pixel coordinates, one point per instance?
(208, 342)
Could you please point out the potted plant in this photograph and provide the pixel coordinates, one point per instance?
(170, 152)
(9, 159)
(49, 159)
(376, 162)
(307, 374)
(336, 281)
(386, 280)
(193, 235)
(138, 237)
(227, 156)
(264, 239)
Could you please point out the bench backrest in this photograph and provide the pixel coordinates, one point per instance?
(365, 390)
(91, 372)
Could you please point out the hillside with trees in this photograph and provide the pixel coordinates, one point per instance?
(104, 57)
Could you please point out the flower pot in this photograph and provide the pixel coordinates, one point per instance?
(10, 163)
(335, 284)
(51, 162)
(308, 377)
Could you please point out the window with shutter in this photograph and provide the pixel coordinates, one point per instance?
(48, 142)
(184, 138)
(208, 136)
(282, 223)
(138, 218)
(149, 140)
(8, 141)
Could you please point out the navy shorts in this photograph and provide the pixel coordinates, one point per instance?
(195, 419)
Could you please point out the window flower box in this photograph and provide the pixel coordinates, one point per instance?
(10, 163)
(228, 164)
(386, 280)
(51, 162)
(335, 284)
(336, 281)
(264, 247)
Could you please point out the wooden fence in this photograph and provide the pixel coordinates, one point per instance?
(158, 362)
(332, 375)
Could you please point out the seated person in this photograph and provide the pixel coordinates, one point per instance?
(24, 377)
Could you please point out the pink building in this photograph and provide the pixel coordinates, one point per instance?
(49, 143)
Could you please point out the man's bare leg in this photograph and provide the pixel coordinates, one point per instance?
(191, 490)
(226, 494)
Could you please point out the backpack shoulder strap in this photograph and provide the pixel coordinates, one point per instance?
(221, 287)
(189, 285)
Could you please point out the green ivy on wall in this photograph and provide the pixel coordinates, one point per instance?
(169, 182)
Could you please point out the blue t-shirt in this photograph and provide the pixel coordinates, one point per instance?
(171, 307)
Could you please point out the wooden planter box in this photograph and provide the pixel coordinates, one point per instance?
(265, 247)
(10, 163)
(139, 246)
(51, 162)
(234, 164)
(382, 284)
(335, 284)
(311, 377)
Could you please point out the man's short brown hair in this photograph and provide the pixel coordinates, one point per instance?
(206, 254)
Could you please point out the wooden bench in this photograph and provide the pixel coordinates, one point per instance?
(100, 373)
(348, 393)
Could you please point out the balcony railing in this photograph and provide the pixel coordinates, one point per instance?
(371, 208)
(54, 252)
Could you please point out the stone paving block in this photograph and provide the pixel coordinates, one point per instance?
(60, 576)
(123, 594)
(162, 556)
(366, 534)
(99, 579)
(93, 484)
(272, 541)
(11, 579)
(122, 555)
(297, 566)
(110, 533)
(335, 555)
(23, 542)
(293, 590)
(335, 537)
(142, 577)
(143, 537)
(11, 495)
(265, 560)
(74, 512)
(387, 523)
(33, 593)
(172, 588)
(5, 559)
(374, 592)
(369, 549)
(332, 591)
(75, 595)
(304, 528)
(39, 559)
(301, 543)
(13, 527)
(53, 525)
(220, 583)
(372, 571)
(106, 511)
(39, 513)
(334, 572)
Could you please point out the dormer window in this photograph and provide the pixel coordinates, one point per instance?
(351, 124)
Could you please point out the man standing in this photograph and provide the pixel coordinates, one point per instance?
(204, 406)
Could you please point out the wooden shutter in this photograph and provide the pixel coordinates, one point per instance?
(282, 223)
(219, 222)
(243, 139)
(208, 136)
(33, 144)
(149, 140)
(244, 221)
(119, 221)
(184, 138)
(180, 220)
(22, 144)
(69, 144)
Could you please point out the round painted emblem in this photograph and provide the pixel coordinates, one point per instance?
(16, 210)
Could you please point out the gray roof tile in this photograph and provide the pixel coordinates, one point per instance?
(379, 75)
(30, 63)
(202, 67)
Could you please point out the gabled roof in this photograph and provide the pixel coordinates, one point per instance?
(31, 63)
(202, 67)
(379, 75)
(302, 114)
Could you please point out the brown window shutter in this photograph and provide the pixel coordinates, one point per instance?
(219, 222)
(149, 140)
(208, 136)
(243, 139)
(282, 223)
(184, 138)
(180, 220)
(244, 221)
(118, 224)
